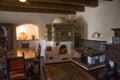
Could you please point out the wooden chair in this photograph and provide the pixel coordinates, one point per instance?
(24, 44)
(16, 68)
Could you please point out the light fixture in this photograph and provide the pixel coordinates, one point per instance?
(60, 20)
(22, 0)
(27, 32)
(97, 35)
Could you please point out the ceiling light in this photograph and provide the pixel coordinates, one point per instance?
(22, 0)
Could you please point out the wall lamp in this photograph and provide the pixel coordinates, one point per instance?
(96, 35)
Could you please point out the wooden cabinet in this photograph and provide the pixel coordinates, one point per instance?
(116, 32)
(113, 53)
(116, 37)
(113, 50)
(6, 35)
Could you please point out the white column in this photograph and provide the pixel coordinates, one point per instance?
(91, 60)
(102, 58)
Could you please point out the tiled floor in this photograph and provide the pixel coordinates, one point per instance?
(99, 74)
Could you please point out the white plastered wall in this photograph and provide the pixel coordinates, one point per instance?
(39, 19)
(101, 19)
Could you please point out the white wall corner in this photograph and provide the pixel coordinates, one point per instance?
(72, 16)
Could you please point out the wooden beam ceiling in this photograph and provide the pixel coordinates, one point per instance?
(48, 6)
(51, 6)
(90, 3)
(20, 9)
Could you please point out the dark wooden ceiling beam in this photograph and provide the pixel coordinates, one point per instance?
(58, 6)
(90, 3)
(45, 6)
(50, 6)
(34, 10)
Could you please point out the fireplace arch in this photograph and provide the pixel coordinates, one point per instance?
(63, 49)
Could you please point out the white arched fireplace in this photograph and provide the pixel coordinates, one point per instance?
(58, 52)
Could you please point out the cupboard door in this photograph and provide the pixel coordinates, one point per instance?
(113, 53)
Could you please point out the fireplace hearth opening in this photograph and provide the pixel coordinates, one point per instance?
(63, 49)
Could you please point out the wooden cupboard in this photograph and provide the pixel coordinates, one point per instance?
(113, 53)
(116, 32)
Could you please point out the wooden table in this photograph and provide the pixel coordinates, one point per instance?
(29, 53)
